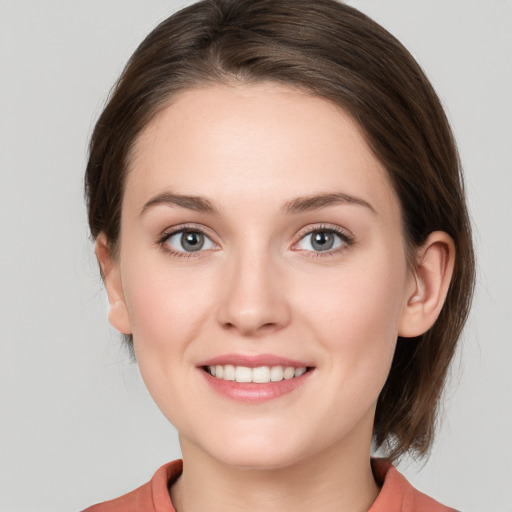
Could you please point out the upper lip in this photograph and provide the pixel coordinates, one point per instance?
(253, 361)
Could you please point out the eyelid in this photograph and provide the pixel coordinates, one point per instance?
(345, 235)
(191, 227)
(187, 226)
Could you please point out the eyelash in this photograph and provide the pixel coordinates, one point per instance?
(346, 239)
(185, 228)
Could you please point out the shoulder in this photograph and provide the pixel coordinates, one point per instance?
(150, 497)
(398, 495)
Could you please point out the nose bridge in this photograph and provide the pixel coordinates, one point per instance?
(253, 297)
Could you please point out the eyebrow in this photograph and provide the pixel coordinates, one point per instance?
(317, 201)
(296, 205)
(196, 203)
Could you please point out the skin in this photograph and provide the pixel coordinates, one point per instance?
(259, 287)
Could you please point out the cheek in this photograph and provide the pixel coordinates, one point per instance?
(169, 308)
(166, 304)
(355, 313)
(358, 298)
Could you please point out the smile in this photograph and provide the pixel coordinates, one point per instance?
(259, 375)
(255, 378)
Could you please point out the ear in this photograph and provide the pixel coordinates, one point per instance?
(118, 312)
(429, 284)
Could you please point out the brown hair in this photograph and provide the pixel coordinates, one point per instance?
(333, 51)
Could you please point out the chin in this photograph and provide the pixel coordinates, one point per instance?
(257, 460)
(261, 454)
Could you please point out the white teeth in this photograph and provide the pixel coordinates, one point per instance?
(276, 373)
(243, 374)
(289, 372)
(229, 372)
(299, 371)
(260, 375)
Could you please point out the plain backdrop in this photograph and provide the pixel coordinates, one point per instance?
(76, 424)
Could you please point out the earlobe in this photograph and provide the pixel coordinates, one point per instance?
(429, 285)
(118, 315)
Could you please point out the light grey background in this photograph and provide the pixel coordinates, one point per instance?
(76, 424)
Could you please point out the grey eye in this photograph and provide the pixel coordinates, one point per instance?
(189, 241)
(321, 240)
(192, 241)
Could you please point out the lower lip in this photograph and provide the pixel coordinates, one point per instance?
(250, 392)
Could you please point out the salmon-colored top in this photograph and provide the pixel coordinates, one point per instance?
(396, 495)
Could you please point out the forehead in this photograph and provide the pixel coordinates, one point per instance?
(253, 141)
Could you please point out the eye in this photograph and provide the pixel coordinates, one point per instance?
(323, 240)
(188, 240)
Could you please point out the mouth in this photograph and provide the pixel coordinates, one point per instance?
(258, 375)
(255, 378)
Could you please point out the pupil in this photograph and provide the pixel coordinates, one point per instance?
(322, 240)
(192, 241)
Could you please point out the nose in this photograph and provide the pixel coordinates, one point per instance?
(253, 298)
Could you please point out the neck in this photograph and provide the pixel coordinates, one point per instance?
(328, 481)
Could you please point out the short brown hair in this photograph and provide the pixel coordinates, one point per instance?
(333, 51)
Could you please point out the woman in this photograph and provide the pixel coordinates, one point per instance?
(281, 226)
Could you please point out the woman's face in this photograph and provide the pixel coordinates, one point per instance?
(261, 237)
